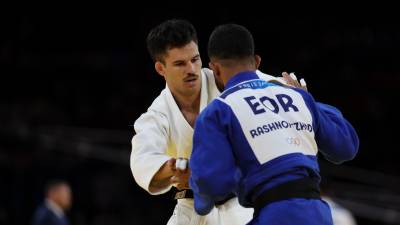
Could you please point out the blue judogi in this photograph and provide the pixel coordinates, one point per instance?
(258, 135)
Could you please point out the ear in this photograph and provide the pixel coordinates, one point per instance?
(211, 65)
(215, 67)
(217, 75)
(160, 68)
(257, 60)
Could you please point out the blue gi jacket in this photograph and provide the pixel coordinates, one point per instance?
(257, 135)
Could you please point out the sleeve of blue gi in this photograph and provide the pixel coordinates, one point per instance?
(214, 172)
(336, 137)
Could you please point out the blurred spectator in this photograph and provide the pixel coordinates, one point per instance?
(57, 200)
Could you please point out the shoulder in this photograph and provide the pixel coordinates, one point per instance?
(270, 78)
(211, 83)
(157, 113)
(308, 98)
(42, 209)
(217, 108)
(209, 77)
(208, 73)
(42, 214)
(160, 103)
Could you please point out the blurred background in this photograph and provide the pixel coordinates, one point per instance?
(72, 85)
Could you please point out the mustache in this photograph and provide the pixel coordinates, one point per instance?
(190, 76)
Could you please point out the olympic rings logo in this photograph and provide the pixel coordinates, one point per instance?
(293, 141)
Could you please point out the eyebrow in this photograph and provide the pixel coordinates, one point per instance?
(181, 61)
(178, 62)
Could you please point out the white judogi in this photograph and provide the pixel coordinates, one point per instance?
(163, 133)
(340, 215)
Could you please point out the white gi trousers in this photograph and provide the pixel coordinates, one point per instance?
(230, 213)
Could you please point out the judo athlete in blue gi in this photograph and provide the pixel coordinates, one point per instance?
(260, 140)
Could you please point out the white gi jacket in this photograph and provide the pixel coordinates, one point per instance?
(163, 133)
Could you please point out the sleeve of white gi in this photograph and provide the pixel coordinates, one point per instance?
(214, 172)
(149, 146)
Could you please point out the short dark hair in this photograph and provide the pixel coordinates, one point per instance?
(230, 41)
(169, 34)
(53, 184)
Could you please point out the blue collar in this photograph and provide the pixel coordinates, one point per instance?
(241, 77)
(248, 79)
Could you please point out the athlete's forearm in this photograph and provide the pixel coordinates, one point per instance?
(162, 178)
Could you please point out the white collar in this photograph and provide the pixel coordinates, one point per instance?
(203, 92)
(56, 209)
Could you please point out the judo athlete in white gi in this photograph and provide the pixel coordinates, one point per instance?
(164, 133)
(260, 140)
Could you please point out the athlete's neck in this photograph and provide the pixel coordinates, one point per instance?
(189, 103)
(228, 73)
(189, 106)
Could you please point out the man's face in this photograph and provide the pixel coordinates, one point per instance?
(182, 69)
(62, 196)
